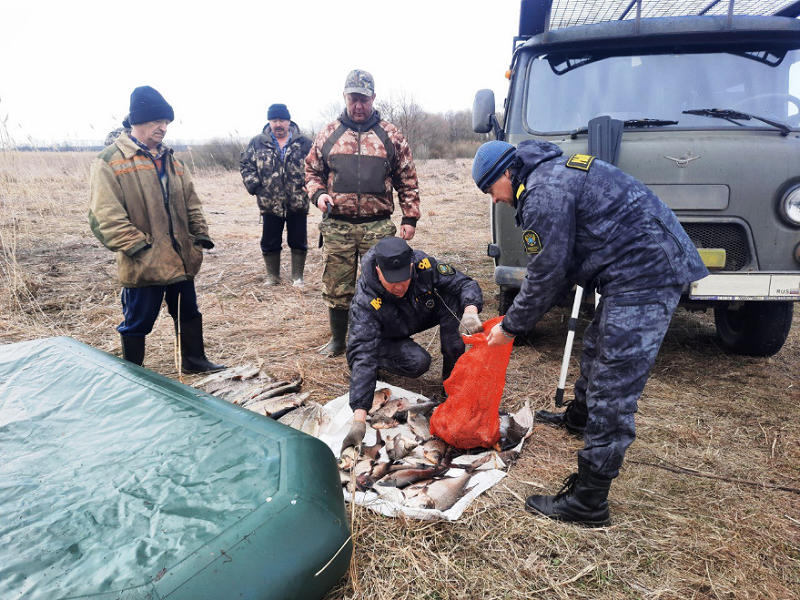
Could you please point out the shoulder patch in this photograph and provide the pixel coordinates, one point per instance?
(376, 303)
(580, 161)
(425, 263)
(445, 269)
(531, 242)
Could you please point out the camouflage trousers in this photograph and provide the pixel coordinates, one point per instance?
(619, 349)
(344, 244)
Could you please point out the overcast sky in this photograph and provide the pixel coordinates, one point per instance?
(67, 68)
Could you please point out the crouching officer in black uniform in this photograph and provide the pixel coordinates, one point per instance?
(402, 292)
(584, 221)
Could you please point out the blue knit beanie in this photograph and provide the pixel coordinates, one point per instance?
(491, 161)
(278, 111)
(148, 105)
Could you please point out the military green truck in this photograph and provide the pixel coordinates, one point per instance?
(700, 100)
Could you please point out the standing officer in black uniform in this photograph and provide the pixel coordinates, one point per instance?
(584, 221)
(402, 292)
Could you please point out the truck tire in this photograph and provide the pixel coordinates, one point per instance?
(505, 299)
(755, 328)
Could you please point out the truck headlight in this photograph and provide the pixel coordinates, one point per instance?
(791, 206)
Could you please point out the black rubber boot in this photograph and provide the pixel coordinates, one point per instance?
(298, 267)
(573, 419)
(193, 354)
(583, 499)
(133, 349)
(337, 344)
(273, 262)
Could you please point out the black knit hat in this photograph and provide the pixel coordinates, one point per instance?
(148, 105)
(278, 111)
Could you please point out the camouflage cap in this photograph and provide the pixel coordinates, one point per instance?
(359, 82)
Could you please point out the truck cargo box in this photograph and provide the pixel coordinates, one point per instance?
(116, 482)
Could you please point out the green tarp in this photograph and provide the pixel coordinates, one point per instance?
(116, 482)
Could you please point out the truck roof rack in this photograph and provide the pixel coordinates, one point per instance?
(540, 16)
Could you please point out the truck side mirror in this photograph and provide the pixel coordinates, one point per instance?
(483, 111)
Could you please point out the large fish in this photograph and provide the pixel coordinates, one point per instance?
(269, 406)
(310, 419)
(434, 450)
(406, 477)
(419, 427)
(447, 491)
(380, 398)
(492, 460)
(274, 389)
(398, 446)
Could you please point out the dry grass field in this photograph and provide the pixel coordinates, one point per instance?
(708, 502)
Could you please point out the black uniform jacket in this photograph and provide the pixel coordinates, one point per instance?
(377, 315)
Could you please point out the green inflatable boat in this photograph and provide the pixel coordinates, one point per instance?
(118, 483)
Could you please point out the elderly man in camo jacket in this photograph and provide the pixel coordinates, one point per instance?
(273, 169)
(350, 171)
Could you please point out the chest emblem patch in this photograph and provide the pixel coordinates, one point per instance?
(445, 269)
(531, 242)
(376, 303)
(424, 264)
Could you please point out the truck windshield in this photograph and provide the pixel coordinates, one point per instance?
(663, 87)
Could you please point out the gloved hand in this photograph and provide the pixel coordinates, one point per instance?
(470, 323)
(355, 436)
(207, 244)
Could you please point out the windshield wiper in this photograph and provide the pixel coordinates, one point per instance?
(631, 123)
(734, 116)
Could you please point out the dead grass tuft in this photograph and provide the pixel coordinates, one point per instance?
(676, 533)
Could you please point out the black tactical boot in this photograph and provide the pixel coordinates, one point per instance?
(193, 354)
(133, 349)
(583, 499)
(273, 262)
(337, 344)
(298, 266)
(573, 419)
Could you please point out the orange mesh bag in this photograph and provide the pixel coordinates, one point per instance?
(469, 418)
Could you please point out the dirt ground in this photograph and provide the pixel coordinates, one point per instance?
(708, 501)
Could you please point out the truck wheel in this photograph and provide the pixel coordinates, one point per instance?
(755, 328)
(505, 299)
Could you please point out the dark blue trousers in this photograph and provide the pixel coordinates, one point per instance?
(296, 232)
(619, 349)
(403, 356)
(140, 306)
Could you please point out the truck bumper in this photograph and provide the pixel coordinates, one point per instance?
(747, 286)
(729, 286)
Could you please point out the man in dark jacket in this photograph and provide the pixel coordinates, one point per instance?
(273, 170)
(402, 292)
(584, 221)
(350, 171)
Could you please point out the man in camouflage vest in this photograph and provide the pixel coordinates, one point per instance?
(273, 167)
(350, 171)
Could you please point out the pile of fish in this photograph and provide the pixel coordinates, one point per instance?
(408, 466)
(251, 388)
